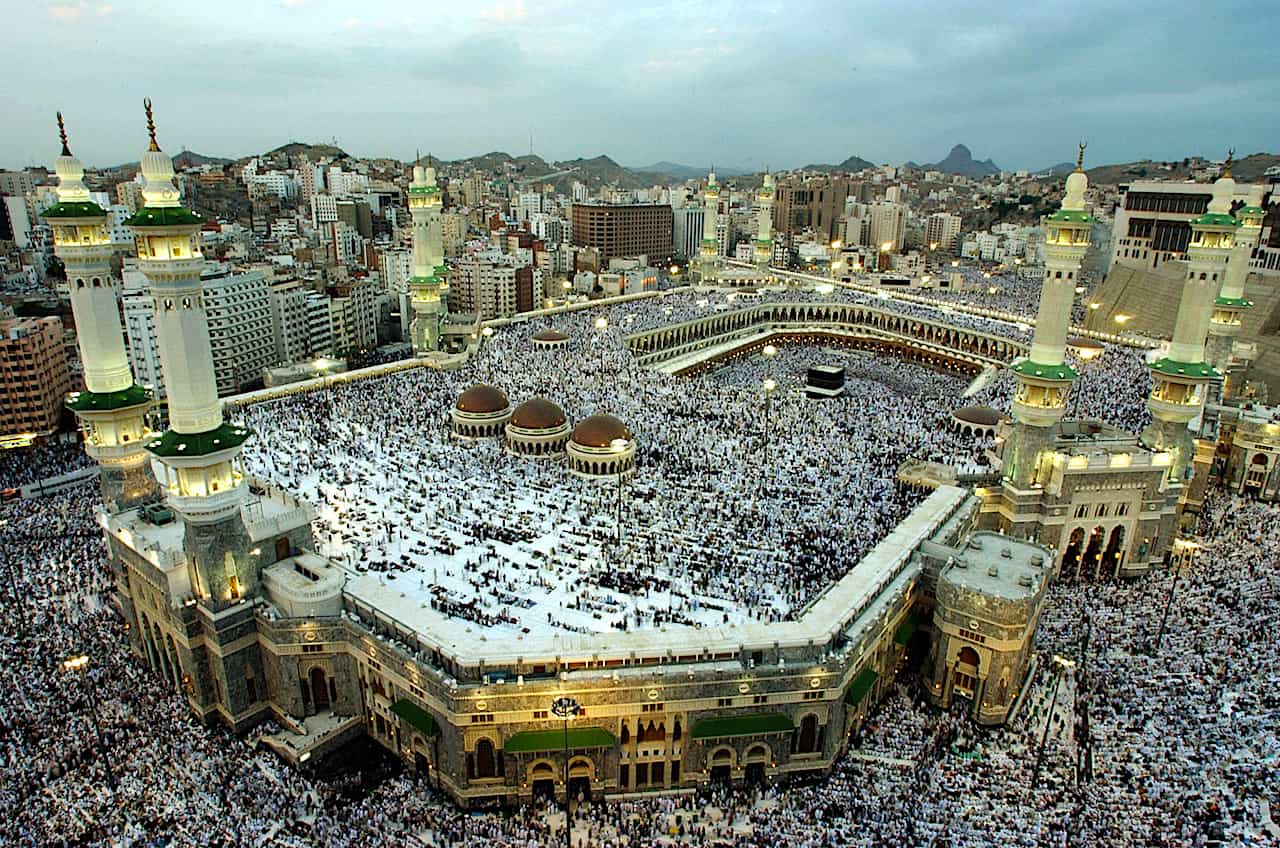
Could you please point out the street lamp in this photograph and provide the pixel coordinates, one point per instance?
(619, 446)
(1059, 665)
(602, 323)
(1186, 555)
(566, 708)
(80, 665)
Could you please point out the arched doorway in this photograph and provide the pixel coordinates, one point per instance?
(756, 761)
(319, 689)
(1093, 552)
(422, 765)
(1114, 553)
(964, 676)
(807, 741)
(486, 761)
(1071, 558)
(1256, 474)
(542, 780)
(721, 766)
(580, 773)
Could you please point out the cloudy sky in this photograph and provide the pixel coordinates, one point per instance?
(740, 83)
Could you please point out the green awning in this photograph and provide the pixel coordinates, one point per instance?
(554, 740)
(906, 628)
(416, 716)
(860, 686)
(747, 725)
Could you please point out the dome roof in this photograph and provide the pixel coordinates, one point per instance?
(984, 416)
(549, 336)
(537, 414)
(481, 399)
(599, 431)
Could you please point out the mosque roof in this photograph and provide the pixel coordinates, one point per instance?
(537, 414)
(982, 415)
(599, 431)
(74, 209)
(549, 336)
(163, 216)
(482, 398)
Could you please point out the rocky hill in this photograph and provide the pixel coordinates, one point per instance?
(960, 161)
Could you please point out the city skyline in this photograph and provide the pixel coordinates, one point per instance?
(757, 89)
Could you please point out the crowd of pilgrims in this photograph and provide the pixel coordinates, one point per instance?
(22, 466)
(730, 514)
(1180, 736)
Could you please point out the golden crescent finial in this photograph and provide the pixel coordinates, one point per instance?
(62, 134)
(1226, 166)
(1080, 157)
(151, 125)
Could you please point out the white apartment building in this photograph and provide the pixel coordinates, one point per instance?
(353, 313)
(686, 231)
(319, 323)
(324, 210)
(888, 224)
(238, 307)
(397, 268)
(942, 229)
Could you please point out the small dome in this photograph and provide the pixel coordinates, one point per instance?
(537, 414)
(1082, 343)
(549, 336)
(984, 416)
(599, 431)
(481, 399)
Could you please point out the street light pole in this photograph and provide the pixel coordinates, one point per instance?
(566, 708)
(1190, 552)
(80, 665)
(1059, 663)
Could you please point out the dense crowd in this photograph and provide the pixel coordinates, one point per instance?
(1181, 735)
(23, 466)
(1146, 735)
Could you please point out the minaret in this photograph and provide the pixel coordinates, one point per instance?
(1178, 380)
(1043, 378)
(709, 250)
(1231, 304)
(428, 258)
(200, 453)
(112, 410)
(762, 251)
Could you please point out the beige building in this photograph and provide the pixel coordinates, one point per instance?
(34, 379)
(989, 594)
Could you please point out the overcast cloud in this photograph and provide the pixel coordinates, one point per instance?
(738, 83)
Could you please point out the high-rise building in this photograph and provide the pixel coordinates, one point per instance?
(888, 225)
(686, 231)
(354, 314)
(112, 409)
(34, 379)
(942, 229)
(1153, 220)
(633, 229)
(16, 183)
(815, 203)
(493, 290)
(238, 310)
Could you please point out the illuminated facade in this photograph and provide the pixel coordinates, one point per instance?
(709, 249)
(762, 248)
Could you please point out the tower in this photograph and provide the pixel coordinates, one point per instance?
(1231, 304)
(200, 453)
(429, 270)
(1178, 380)
(1044, 378)
(762, 251)
(709, 250)
(112, 410)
